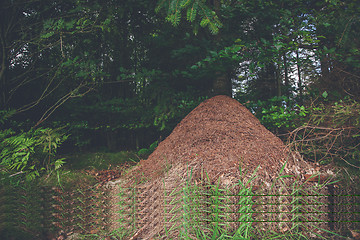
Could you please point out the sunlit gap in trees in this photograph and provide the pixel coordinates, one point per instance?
(20, 57)
(297, 64)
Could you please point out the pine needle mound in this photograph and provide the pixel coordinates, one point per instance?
(220, 136)
(220, 143)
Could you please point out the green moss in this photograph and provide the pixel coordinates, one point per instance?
(100, 160)
(69, 180)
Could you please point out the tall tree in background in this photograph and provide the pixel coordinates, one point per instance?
(39, 68)
(338, 31)
(273, 33)
(220, 81)
(122, 69)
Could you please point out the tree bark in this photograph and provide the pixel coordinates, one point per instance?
(299, 76)
(278, 81)
(286, 75)
(222, 85)
(3, 80)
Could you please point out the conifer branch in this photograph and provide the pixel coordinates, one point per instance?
(207, 17)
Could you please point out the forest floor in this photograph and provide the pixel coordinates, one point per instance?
(216, 144)
(101, 168)
(71, 204)
(116, 196)
(220, 138)
(103, 193)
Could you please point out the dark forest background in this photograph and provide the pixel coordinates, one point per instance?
(119, 75)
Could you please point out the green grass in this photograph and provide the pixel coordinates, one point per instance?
(72, 176)
(69, 197)
(99, 160)
(206, 211)
(69, 180)
(22, 209)
(191, 204)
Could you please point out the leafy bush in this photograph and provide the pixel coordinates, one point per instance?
(32, 151)
(279, 113)
(145, 152)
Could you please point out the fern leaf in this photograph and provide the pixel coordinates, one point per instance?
(204, 22)
(191, 12)
(175, 12)
(213, 28)
(209, 19)
(176, 19)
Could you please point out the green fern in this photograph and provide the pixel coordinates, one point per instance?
(204, 22)
(209, 19)
(30, 151)
(175, 15)
(191, 12)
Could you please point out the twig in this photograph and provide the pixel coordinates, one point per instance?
(61, 46)
(350, 163)
(343, 33)
(12, 175)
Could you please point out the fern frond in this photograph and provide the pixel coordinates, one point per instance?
(193, 8)
(191, 12)
(213, 28)
(209, 19)
(176, 18)
(175, 12)
(204, 22)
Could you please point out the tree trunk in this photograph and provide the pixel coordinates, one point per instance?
(278, 81)
(3, 80)
(222, 85)
(111, 140)
(299, 76)
(286, 74)
(325, 66)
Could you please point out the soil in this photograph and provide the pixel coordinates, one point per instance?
(221, 136)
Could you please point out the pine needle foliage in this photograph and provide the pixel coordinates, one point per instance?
(196, 10)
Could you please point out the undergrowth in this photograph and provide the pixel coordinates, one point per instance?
(288, 209)
(63, 204)
(99, 160)
(72, 204)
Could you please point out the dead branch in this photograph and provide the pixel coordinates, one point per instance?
(325, 142)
